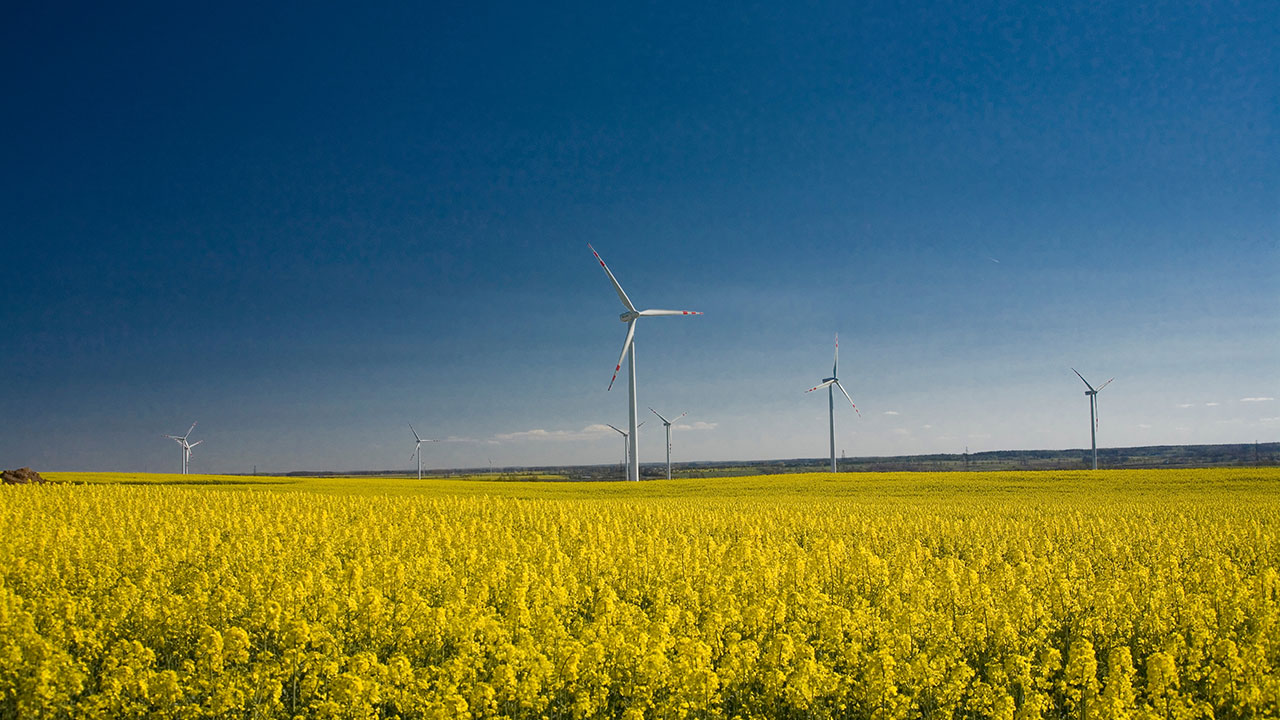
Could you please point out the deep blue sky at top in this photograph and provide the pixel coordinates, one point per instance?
(306, 224)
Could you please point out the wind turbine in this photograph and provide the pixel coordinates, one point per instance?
(417, 449)
(829, 383)
(626, 437)
(629, 317)
(667, 424)
(186, 446)
(1093, 412)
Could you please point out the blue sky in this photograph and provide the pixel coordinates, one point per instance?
(307, 225)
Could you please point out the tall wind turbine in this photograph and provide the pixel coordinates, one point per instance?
(417, 449)
(667, 423)
(629, 317)
(1093, 412)
(626, 437)
(186, 446)
(829, 384)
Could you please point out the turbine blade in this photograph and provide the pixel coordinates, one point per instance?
(622, 295)
(626, 345)
(846, 394)
(819, 387)
(415, 433)
(656, 313)
(193, 427)
(680, 416)
(664, 420)
(1086, 382)
(1104, 384)
(642, 422)
(836, 362)
(194, 444)
(624, 432)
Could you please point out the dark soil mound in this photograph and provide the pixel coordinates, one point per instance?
(21, 476)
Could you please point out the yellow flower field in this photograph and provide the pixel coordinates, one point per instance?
(1105, 594)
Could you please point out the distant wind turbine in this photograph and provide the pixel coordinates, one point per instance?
(1093, 412)
(417, 449)
(829, 383)
(629, 317)
(626, 448)
(186, 446)
(667, 423)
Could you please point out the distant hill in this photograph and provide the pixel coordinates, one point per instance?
(1151, 456)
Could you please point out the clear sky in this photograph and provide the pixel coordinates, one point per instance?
(306, 225)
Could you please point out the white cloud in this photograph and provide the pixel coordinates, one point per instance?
(540, 434)
(979, 436)
(1211, 404)
(927, 427)
(1186, 405)
(1269, 419)
(900, 431)
(890, 412)
(1144, 426)
(697, 426)
(1257, 399)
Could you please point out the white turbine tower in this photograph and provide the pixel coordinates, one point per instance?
(829, 383)
(667, 423)
(186, 446)
(1093, 412)
(629, 317)
(626, 447)
(417, 449)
